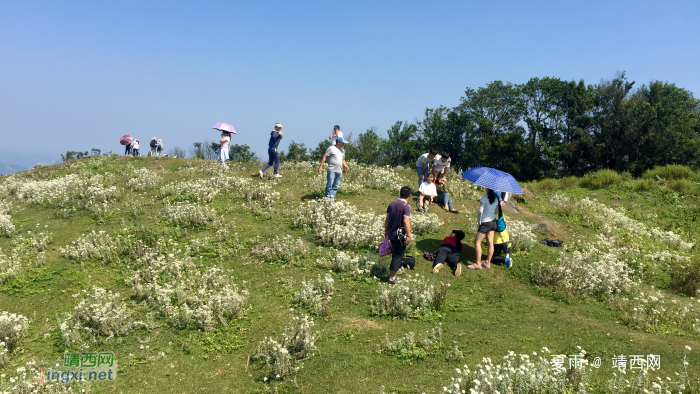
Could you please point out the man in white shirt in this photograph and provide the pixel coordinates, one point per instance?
(336, 164)
(441, 163)
(427, 192)
(423, 164)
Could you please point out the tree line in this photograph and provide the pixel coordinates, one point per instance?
(544, 128)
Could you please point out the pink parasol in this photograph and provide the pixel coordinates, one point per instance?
(224, 127)
(126, 139)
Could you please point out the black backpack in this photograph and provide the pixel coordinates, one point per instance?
(154, 143)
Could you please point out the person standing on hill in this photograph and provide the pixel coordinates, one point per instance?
(397, 227)
(486, 217)
(336, 133)
(135, 146)
(441, 163)
(275, 138)
(336, 164)
(224, 148)
(159, 149)
(423, 164)
(127, 149)
(154, 146)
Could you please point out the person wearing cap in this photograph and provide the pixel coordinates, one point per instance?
(335, 134)
(275, 137)
(336, 163)
(135, 146)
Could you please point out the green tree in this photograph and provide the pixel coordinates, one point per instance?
(320, 150)
(241, 153)
(297, 152)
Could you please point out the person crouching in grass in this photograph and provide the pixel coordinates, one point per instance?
(502, 244)
(427, 192)
(450, 251)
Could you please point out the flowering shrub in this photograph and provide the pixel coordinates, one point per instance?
(413, 298)
(317, 185)
(519, 374)
(460, 188)
(285, 357)
(658, 313)
(339, 224)
(425, 223)
(27, 251)
(28, 380)
(315, 295)
(6, 226)
(298, 165)
(351, 265)
(190, 215)
(184, 294)
(455, 354)
(374, 177)
(521, 237)
(93, 246)
(13, 328)
(410, 347)
(143, 179)
(281, 250)
(99, 313)
(599, 269)
(201, 190)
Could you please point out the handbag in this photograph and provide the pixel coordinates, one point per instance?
(386, 248)
(501, 223)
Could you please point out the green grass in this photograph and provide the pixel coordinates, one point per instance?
(487, 313)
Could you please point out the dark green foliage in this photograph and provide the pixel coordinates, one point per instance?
(297, 153)
(74, 155)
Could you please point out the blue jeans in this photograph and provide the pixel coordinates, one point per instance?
(274, 160)
(332, 183)
(444, 198)
(425, 174)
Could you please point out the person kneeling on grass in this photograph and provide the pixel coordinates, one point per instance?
(449, 251)
(427, 192)
(501, 243)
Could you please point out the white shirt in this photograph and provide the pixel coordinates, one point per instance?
(226, 142)
(439, 165)
(428, 189)
(336, 135)
(423, 159)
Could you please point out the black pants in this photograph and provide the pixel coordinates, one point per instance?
(446, 253)
(497, 250)
(397, 254)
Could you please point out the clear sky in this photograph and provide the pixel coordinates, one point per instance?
(76, 75)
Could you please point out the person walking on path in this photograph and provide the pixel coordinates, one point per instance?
(423, 164)
(224, 148)
(127, 149)
(397, 226)
(450, 251)
(335, 134)
(135, 146)
(443, 196)
(336, 164)
(159, 149)
(275, 137)
(486, 218)
(441, 163)
(154, 146)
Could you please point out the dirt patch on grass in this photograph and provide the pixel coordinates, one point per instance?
(360, 324)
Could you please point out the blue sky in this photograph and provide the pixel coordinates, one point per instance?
(78, 75)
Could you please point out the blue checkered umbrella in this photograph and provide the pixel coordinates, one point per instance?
(493, 179)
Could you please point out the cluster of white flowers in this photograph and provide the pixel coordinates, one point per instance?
(349, 264)
(186, 294)
(658, 313)
(412, 298)
(610, 219)
(317, 185)
(315, 295)
(187, 214)
(28, 380)
(281, 250)
(13, 328)
(410, 347)
(99, 313)
(71, 187)
(202, 190)
(599, 269)
(143, 179)
(458, 187)
(425, 223)
(27, 251)
(286, 356)
(520, 374)
(340, 224)
(93, 246)
(521, 237)
(298, 165)
(6, 226)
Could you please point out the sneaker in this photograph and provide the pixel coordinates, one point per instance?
(278, 176)
(396, 281)
(454, 210)
(436, 267)
(509, 262)
(419, 207)
(458, 270)
(261, 173)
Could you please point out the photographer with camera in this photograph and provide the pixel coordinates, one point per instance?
(397, 227)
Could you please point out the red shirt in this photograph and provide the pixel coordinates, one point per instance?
(452, 241)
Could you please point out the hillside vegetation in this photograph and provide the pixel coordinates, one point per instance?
(205, 279)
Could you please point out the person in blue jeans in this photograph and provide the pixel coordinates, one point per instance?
(336, 163)
(423, 165)
(443, 196)
(275, 138)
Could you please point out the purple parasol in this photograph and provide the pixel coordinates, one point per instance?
(224, 127)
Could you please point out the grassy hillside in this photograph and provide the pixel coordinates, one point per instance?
(201, 279)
